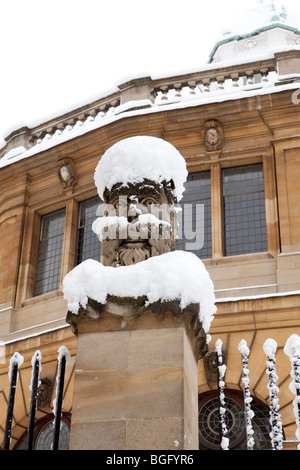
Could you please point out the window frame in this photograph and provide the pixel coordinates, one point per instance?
(40, 240)
(216, 167)
(226, 225)
(79, 227)
(183, 202)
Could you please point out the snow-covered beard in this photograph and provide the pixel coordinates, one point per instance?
(132, 253)
(139, 222)
(115, 253)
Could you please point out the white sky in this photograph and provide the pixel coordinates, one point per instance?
(57, 53)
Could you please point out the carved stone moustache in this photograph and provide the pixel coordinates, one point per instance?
(147, 198)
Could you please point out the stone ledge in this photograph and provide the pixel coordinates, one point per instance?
(121, 314)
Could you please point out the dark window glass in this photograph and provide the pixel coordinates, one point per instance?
(195, 218)
(244, 210)
(209, 424)
(89, 246)
(50, 252)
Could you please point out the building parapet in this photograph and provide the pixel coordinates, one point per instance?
(144, 92)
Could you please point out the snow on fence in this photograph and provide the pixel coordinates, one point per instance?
(292, 349)
(15, 362)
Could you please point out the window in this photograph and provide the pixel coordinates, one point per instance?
(50, 253)
(88, 243)
(209, 422)
(43, 434)
(195, 218)
(244, 210)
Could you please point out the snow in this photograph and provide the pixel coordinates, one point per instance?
(292, 349)
(269, 347)
(244, 350)
(276, 435)
(106, 226)
(203, 99)
(265, 14)
(15, 359)
(133, 159)
(62, 352)
(258, 296)
(36, 357)
(222, 371)
(292, 345)
(134, 104)
(176, 275)
(14, 152)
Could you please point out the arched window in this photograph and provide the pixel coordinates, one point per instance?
(43, 434)
(209, 422)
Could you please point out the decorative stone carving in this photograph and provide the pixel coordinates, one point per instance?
(247, 44)
(211, 365)
(213, 135)
(140, 180)
(66, 173)
(138, 241)
(44, 393)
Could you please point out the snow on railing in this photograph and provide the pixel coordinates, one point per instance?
(63, 359)
(15, 362)
(276, 435)
(146, 92)
(35, 382)
(292, 349)
(221, 374)
(244, 350)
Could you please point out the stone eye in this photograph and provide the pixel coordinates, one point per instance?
(148, 202)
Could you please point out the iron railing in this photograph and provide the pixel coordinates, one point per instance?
(292, 349)
(15, 362)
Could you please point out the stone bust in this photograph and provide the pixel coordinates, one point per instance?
(139, 214)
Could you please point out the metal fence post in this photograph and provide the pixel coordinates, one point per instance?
(63, 358)
(222, 407)
(270, 347)
(36, 367)
(247, 398)
(292, 349)
(15, 362)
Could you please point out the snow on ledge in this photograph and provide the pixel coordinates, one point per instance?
(212, 97)
(177, 275)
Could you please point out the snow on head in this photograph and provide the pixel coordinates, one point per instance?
(137, 158)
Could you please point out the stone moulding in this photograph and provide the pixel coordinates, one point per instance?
(126, 313)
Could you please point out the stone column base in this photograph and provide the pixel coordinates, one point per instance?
(136, 384)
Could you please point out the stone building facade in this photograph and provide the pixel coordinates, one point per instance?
(236, 122)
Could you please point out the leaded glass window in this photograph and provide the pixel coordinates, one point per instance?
(244, 210)
(209, 423)
(50, 252)
(88, 244)
(195, 218)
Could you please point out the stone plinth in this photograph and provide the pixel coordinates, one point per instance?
(136, 379)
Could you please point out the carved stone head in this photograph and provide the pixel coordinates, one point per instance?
(139, 214)
(44, 393)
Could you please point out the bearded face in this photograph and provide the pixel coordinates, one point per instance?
(140, 221)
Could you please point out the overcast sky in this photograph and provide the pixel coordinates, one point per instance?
(57, 53)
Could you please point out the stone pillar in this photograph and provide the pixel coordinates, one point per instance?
(136, 384)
